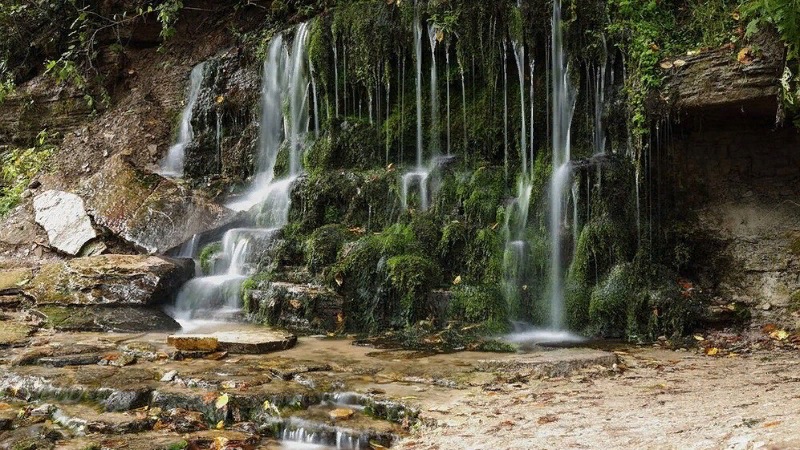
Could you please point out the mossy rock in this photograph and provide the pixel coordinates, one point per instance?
(322, 247)
(412, 279)
(474, 304)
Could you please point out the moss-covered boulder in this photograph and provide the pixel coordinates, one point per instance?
(109, 280)
(322, 247)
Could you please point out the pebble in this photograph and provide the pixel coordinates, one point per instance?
(169, 376)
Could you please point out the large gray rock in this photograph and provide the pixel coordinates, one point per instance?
(109, 280)
(63, 216)
(296, 306)
(147, 210)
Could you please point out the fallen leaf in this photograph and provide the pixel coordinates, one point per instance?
(548, 418)
(697, 337)
(666, 64)
(457, 280)
(374, 445)
(209, 397)
(772, 424)
(339, 279)
(220, 424)
(222, 400)
(712, 351)
(745, 56)
(769, 328)
(220, 99)
(439, 35)
(679, 63)
(736, 16)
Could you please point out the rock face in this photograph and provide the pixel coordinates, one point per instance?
(64, 217)
(109, 280)
(717, 80)
(148, 211)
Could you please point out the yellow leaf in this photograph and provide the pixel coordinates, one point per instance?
(220, 424)
(220, 99)
(712, 351)
(697, 337)
(439, 35)
(745, 56)
(457, 280)
(222, 400)
(779, 335)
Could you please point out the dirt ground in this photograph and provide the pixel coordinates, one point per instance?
(659, 399)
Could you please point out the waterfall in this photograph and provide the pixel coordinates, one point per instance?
(505, 106)
(218, 134)
(336, 74)
(533, 147)
(434, 140)
(563, 106)
(519, 56)
(284, 82)
(418, 55)
(463, 101)
(172, 165)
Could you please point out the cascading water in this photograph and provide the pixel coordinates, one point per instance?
(561, 109)
(284, 76)
(433, 145)
(563, 106)
(172, 165)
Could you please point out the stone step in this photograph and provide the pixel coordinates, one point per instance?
(241, 342)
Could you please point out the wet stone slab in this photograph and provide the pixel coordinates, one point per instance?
(235, 342)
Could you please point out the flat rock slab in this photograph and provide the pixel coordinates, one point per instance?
(549, 364)
(12, 281)
(247, 342)
(63, 216)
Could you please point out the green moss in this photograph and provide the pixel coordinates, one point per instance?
(484, 264)
(412, 279)
(426, 232)
(180, 445)
(474, 304)
(19, 166)
(322, 247)
(452, 248)
(207, 255)
(349, 145)
(486, 192)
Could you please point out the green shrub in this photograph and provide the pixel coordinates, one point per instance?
(322, 247)
(207, 255)
(19, 167)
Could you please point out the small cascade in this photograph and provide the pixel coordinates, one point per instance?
(172, 165)
(285, 81)
(519, 56)
(575, 225)
(218, 135)
(599, 104)
(516, 247)
(562, 109)
(316, 101)
(420, 174)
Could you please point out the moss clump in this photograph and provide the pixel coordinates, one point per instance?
(412, 279)
(322, 247)
(207, 255)
(483, 194)
(427, 233)
(473, 304)
(19, 166)
(484, 259)
(611, 299)
(350, 145)
(452, 248)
